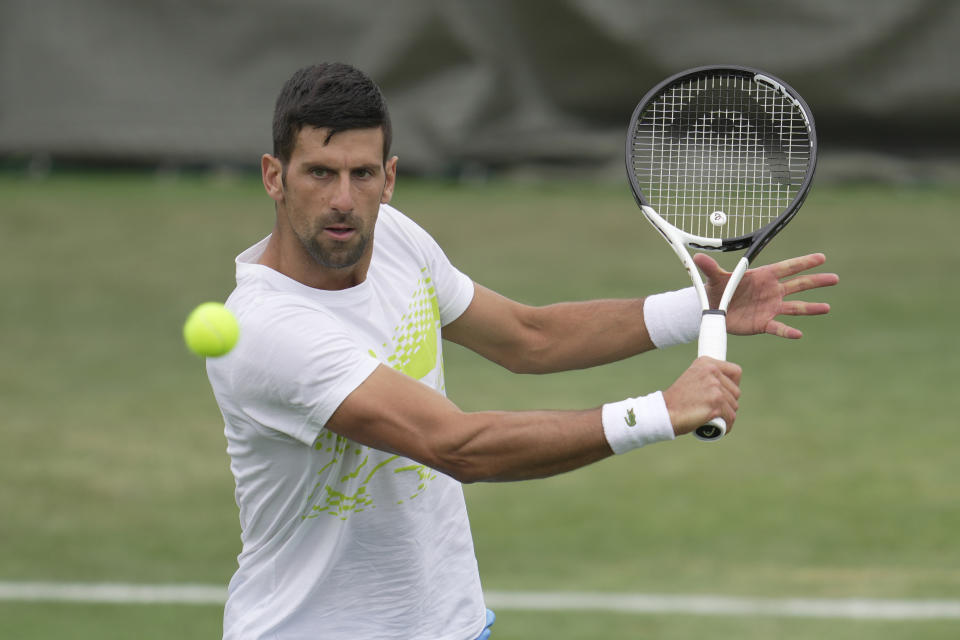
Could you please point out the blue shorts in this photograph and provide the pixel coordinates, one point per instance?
(486, 630)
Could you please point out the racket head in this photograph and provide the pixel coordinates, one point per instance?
(723, 154)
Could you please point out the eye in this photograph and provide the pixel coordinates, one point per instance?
(363, 172)
(320, 172)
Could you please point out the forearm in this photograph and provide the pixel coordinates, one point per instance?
(572, 335)
(499, 446)
(579, 335)
(558, 337)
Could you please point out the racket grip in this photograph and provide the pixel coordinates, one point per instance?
(713, 335)
(712, 343)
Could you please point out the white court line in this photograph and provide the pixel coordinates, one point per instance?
(855, 608)
(112, 593)
(859, 608)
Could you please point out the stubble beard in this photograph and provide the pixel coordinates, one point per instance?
(334, 254)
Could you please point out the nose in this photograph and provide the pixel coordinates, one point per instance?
(342, 200)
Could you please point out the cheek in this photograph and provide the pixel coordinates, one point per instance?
(306, 199)
(366, 201)
(301, 213)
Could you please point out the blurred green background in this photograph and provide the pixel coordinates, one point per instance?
(129, 140)
(839, 481)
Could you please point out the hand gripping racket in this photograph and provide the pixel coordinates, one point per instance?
(720, 159)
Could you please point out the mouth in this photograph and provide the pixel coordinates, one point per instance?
(340, 232)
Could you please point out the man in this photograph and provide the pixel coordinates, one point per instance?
(347, 455)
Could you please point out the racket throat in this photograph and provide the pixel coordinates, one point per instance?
(713, 323)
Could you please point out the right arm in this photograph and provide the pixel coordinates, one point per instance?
(392, 412)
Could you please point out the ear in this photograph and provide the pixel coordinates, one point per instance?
(272, 170)
(391, 180)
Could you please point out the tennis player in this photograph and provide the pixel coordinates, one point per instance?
(348, 457)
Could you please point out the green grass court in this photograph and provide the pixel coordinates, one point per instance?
(839, 480)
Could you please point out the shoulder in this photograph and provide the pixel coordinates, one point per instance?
(281, 322)
(277, 317)
(410, 245)
(290, 351)
(393, 224)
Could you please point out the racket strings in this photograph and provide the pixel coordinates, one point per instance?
(720, 156)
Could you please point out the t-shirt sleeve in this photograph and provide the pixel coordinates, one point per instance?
(303, 367)
(454, 288)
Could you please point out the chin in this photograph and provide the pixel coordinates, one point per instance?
(343, 259)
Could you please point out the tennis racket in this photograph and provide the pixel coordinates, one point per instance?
(720, 158)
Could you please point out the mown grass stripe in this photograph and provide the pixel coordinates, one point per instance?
(854, 608)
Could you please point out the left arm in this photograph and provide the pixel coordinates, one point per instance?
(556, 337)
(579, 335)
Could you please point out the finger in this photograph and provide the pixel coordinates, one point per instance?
(782, 330)
(722, 397)
(732, 401)
(730, 416)
(719, 368)
(811, 281)
(709, 266)
(800, 308)
(731, 387)
(793, 266)
(731, 370)
(728, 411)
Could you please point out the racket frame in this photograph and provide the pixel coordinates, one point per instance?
(712, 340)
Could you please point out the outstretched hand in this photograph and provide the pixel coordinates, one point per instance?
(759, 299)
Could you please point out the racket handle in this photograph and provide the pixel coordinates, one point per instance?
(712, 431)
(712, 343)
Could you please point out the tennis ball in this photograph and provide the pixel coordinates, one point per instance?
(211, 330)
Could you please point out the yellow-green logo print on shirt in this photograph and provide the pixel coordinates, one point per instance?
(415, 337)
(413, 349)
(339, 497)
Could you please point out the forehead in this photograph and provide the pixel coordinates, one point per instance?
(358, 146)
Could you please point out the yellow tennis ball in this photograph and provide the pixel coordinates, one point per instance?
(211, 330)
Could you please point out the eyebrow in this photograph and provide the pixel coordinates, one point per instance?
(373, 167)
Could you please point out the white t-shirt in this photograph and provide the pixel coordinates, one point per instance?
(341, 540)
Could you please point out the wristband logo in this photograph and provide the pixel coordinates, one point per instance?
(631, 418)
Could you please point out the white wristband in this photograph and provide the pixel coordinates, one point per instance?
(636, 422)
(672, 317)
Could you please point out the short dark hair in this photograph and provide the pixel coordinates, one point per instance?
(332, 96)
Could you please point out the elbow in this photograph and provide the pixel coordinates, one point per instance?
(532, 356)
(526, 363)
(530, 348)
(457, 454)
(517, 365)
(467, 477)
(460, 468)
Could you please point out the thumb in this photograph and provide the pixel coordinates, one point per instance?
(710, 267)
